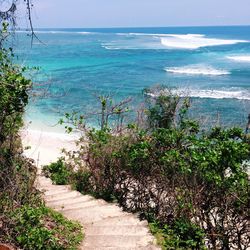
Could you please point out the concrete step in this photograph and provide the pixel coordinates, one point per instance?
(69, 201)
(93, 204)
(125, 220)
(45, 186)
(102, 209)
(131, 230)
(78, 209)
(81, 205)
(90, 215)
(53, 186)
(55, 190)
(118, 241)
(63, 196)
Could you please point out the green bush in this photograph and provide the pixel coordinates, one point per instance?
(163, 107)
(42, 228)
(58, 172)
(181, 235)
(82, 181)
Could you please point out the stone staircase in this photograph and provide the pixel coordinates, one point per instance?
(105, 225)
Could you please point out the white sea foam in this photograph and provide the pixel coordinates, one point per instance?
(220, 94)
(209, 93)
(111, 47)
(160, 35)
(197, 70)
(194, 41)
(245, 58)
(85, 33)
(186, 36)
(140, 34)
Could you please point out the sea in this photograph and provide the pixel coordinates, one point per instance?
(209, 64)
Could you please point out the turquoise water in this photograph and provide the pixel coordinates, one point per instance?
(211, 64)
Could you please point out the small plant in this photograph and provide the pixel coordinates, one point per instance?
(163, 107)
(181, 235)
(42, 228)
(81, 181)
(58, 172)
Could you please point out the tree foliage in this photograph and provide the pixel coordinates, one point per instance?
(14, 89)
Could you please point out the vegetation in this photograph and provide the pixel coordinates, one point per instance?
(38, 227)
(57, 172)
(24, 220)
(192, 186)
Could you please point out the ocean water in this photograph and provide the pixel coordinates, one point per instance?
(210, 64)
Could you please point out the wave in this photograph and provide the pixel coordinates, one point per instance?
(139, 34)
(111, 47)
(240, 58)
(220, 94)
(177, 41)
(158, 34)
(197, 70)
(195, 41)
(209, 93)
(85, 33)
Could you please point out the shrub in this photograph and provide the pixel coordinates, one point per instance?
(58, 172)
(17, 174)
(42, 228)
(163, 107)
(82, 181)
(182, 235)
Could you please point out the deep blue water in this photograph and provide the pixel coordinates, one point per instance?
(211, 64)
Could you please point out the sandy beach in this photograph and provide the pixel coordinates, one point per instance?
(45, 147)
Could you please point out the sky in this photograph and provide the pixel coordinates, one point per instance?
(138, 13)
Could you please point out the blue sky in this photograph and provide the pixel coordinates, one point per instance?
(139, 13)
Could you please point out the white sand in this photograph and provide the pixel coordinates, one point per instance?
(46, 147)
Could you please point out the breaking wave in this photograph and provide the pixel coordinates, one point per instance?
(110, 47)
(240, 58)
(171, 41)
(194, 41)
(197, 70)
(213, 94)
(221, 94)
(157, 34)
